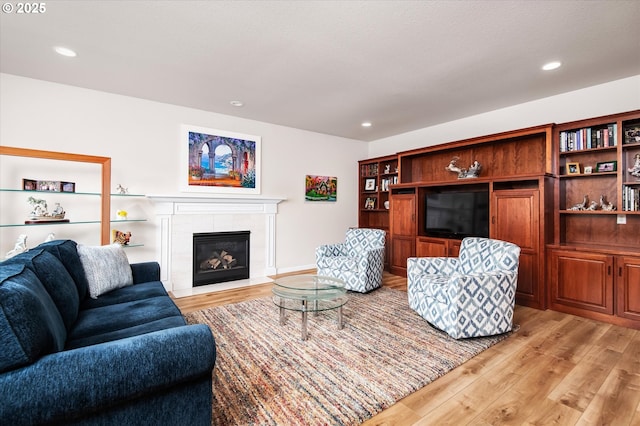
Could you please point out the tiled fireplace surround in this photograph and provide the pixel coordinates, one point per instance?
(179, 217)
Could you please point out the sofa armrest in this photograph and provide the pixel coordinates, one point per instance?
(71, 384)
(145, 272)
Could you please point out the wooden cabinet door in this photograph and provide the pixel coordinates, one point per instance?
(628, 287)
(581, 282)
(437, 247)
(431, 247)
(403, 231)
(515, 217)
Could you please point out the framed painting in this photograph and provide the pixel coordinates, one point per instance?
(219, 161)
(321, 188)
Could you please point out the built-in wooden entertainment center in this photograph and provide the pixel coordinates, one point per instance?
(583, 261)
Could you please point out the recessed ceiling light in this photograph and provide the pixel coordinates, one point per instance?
(551, 66)
(64, 51)
(237, 103)
(366, 124)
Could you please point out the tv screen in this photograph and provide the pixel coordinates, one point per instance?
(457, 214)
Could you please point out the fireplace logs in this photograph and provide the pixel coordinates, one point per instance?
(218, 261)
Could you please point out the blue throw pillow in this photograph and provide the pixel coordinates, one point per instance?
(30, 324)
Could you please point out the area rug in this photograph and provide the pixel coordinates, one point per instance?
(266, 375)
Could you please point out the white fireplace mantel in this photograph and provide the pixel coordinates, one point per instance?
(175, 214)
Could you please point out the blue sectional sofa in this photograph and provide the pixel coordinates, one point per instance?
(126, 357)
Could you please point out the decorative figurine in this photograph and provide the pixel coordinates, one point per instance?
(121, 214)
(39, 208)
(58, 212)
(635, 170)
(50, 237)
(20, 247)
(121, 189)
(593, 206)
(605, 206)
(387, 168)
(120, 237)
(40, 211)
(472, 172)
(582, 205)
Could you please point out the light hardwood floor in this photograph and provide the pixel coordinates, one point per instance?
(557, 369)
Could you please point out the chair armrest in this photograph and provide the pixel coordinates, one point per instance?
(66, 385)
(330, 250)
(145, 272)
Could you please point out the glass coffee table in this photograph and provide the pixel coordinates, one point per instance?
(309, 293)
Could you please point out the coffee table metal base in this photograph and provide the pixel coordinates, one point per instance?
(305, 313)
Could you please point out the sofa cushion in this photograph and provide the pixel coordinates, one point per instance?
(56, 280)
(30, 324)
(66, 251)
(106, 268)
(126, 294)
(105, 320)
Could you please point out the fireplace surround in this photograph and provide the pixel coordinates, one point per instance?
(178, 217)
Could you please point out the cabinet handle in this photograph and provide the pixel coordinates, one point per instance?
(493, 220)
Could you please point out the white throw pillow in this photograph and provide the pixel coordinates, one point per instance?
(106, 268)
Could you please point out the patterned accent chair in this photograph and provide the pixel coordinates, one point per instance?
(359, 261)
(469, 296)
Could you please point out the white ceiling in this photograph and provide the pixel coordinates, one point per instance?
(326, 66)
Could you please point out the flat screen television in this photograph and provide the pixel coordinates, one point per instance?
(457, 214)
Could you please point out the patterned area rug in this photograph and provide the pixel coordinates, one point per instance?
(266, 375)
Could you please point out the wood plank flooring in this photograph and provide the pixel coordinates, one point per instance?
(557, 369)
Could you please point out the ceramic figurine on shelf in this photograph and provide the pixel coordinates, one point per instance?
(50, 237)
(20, 247)
(121, 189)
(593, 206)
(121, 214)
(120, 237)
(58, 212)
(472, 172)
(635, 170)
(604, 205)
(582, 205)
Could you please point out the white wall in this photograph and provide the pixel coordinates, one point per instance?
(142, 138)
(610, 98)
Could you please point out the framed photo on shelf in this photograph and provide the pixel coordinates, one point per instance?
(29, 185)
(370, 203)
(573, 168)
(606, 166)
(68, 186)
(370, 184)
(588, 170)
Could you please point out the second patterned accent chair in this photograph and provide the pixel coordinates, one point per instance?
(359, 261)
(469, 296)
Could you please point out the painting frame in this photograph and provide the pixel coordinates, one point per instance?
(240, 171)
(321, 188)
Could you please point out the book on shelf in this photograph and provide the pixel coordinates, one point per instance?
(630, 198)
(589, 138)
